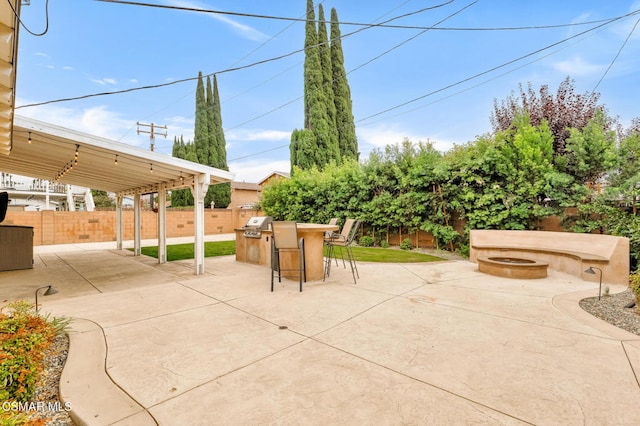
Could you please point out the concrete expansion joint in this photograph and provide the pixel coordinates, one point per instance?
(86, 385)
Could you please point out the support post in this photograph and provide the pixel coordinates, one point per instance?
(162, 223)
(136, 225)
(119, 221)
(199, 190)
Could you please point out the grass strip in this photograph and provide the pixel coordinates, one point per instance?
(361, 254)
(387, 255)
(185, 251)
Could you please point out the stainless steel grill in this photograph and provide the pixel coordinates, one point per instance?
(255, 226)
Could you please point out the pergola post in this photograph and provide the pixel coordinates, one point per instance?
(199, 189)
(136, 225)
(162, 223)
(119, 221)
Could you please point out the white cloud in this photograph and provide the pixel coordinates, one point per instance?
(256, 170)
(44, 55)
(98, 121)
(384, 135)
(258, 134)
(244, 30)
(577, 66)
(68, 68)
(104, 81)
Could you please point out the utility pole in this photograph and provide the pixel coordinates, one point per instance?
(152, 139)
(152, 132)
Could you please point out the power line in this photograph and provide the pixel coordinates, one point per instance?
(46, 26)
(238, 68)
(361, 65)
(361, 24)
(617, 54)
(276, 58)
(494, 68)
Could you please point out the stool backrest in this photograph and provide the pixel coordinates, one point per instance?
(4, 203)
(285, 234)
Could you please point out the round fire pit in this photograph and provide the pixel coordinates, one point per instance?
(512, 267)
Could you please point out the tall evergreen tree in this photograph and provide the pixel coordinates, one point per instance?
(220, 194)
(333, 148)
(345, 123)
(217, 119)
(315, 102)
(212, 134)
(201, 133)
(181, 197)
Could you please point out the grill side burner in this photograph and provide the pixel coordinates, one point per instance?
(255, 226)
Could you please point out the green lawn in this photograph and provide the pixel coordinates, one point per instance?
(185, 251)
(225, 248)
(388, 255)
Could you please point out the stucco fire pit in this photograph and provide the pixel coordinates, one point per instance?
(512, 267)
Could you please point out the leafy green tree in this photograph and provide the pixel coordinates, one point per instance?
(567, 109)
(591, 151)
(102, 199)
(498, 183)
(345, 124)
(626, 179)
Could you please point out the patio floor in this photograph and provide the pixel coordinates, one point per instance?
(431, 343)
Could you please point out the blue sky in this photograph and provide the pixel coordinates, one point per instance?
(94, 47)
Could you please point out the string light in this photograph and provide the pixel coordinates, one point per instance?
(29, 137)
(116, 159)
(151, 168)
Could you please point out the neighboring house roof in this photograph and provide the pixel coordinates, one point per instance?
(275, 174)
(247, 186)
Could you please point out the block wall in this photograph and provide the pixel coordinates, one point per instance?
(53, 227)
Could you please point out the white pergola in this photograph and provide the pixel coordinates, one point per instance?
(33, 148)
(58, 154)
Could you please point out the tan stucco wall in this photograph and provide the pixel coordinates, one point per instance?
(242, 197)
(607, 252)
(53, 227)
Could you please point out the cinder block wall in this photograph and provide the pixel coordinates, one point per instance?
(53, 227)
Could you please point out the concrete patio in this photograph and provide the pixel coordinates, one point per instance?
(434, 343)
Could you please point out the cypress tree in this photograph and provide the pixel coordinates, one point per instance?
(345, 123)
(303, 149)
(211, 129)
(316, 115)
(220, 194)
(201, 133)
(217, 118)
(333, 148)
(182, 197)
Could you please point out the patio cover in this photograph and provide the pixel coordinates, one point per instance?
(8, 63)
(47, 151)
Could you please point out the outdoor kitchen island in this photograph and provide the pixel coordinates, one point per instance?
(253, 247)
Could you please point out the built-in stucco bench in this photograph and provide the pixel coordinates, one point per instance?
(568, 252)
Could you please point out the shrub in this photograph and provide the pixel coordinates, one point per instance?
(406, 244)
(365, 241)
(384, 243)
(24, 338)
(634, 283)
